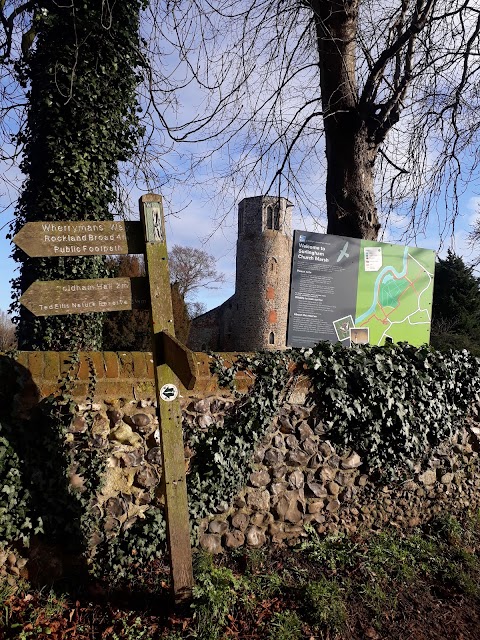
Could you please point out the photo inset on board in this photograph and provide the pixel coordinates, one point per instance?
(359, 335)
(342, 327)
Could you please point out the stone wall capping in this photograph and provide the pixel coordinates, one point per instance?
(127, 374)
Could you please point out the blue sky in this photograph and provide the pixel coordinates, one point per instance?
(201, 217)
(194, 225)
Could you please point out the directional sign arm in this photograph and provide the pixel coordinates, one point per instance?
(80, 238)
(180, 359)
(65, 297)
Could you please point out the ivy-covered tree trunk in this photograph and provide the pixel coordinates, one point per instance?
(81, 75)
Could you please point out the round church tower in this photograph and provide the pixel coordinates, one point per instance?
(264, 255)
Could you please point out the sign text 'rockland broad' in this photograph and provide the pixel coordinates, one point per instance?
(80, 238)
(62, 297)
(358, 291)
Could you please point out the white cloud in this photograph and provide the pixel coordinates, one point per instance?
(473, 207)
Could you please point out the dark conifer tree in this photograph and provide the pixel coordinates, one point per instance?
(127, 330)
(131, 330)
(456, 305)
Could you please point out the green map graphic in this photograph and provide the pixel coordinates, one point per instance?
(395, 300)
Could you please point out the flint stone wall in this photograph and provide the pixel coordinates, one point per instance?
(298, 477)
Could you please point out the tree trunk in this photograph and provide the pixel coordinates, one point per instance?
(350, 194)
(350, 151)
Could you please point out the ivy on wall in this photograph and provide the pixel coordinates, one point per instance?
(222, 462)
(82, 121)
(16, 522)
(391, 404)
(18, 517)
(223, 455)
(71, 475)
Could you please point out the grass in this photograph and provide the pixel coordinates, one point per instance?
(214, 596)
(285, 625)
(131, 631)
(379, 600)
(54, 604)
(324, 604)
(336, 552)
(327, 587)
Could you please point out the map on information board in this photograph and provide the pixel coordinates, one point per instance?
(358, 291)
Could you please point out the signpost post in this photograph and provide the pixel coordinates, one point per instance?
(171, 440)
(171, 358)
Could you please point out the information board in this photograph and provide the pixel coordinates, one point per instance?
(358, 291)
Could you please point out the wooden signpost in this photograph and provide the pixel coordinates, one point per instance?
(173, 459)
(172, 359)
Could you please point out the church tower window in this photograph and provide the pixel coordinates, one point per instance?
(276, 219)
(271, 338)
(269, 217)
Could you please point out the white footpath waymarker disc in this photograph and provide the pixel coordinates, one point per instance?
(168, 392)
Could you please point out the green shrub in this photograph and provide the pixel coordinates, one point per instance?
(391, 556)
(214, 596)
(266, 585)
(379, 600)
(335, 552)
(461, 579)
(448, 528)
